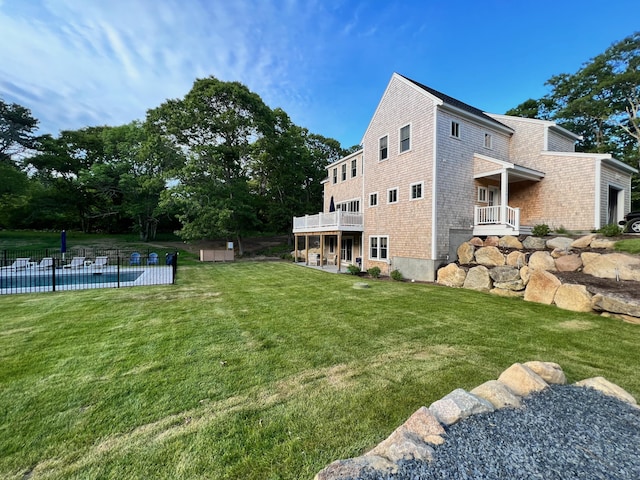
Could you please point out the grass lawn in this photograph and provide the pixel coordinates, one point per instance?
(255, 370)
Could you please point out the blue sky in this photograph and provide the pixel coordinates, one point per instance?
(76, 63)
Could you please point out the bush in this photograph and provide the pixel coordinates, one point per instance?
(353, 269)
(610, 230)
(540, 230)
(561, 230)
(397, 276)
(374, 272)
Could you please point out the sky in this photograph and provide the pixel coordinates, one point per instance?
(79, 63)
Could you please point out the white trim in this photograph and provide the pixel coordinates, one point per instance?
(400, 151)
(607, 157)
(487, 136)
(434, 186)
(351, 167)
(545, 138)
(458, 130)
(547, 123)
(377, 199)
(502, 163)
(411, 197)
(482, 189)
(598, 180)
(340, 160)
(387, 157)
(397, 195)
(377, 258)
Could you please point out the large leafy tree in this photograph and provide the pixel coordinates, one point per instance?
(601, 102)
(216, 125)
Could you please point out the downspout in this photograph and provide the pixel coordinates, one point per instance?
(597, 194)
(365, 207)
(434, 188)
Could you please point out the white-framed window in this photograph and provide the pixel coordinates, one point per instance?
(354, 167)
(379, 247)
(335, 175)
(416, 190)
(392, 195)
(488, 141)
(482, 195)
(344, 172)
(455, 129)
(373, 199)
(383, 148)
(349, 206)
(405, 138)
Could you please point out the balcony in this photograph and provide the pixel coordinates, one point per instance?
(498, 220)
(328, 222)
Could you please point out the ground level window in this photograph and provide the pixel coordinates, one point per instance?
(379, 247)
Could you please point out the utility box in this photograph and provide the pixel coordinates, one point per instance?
(217, 255)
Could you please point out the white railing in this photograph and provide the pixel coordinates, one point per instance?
(494, 216)
(328, 221)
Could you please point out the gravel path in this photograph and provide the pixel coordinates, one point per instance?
(563, 433)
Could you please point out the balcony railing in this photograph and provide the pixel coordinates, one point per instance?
(324, 222)
(494, 216)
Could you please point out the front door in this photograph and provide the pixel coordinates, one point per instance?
(493, 215)
(346, 249)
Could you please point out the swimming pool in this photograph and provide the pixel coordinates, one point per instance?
(31, 280)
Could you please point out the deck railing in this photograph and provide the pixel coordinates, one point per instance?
(328, 221)
(493, 216)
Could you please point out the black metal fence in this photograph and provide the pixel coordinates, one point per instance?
(49, 270)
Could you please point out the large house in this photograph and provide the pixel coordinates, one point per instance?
(434, 171)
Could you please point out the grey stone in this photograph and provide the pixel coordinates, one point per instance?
(608, 388)
(355, 467)
(534, 243)
(459, 405)
(561, 243)
(514, 285)
(608, 303)
(478, 279)
(503, 292)
(504, 274)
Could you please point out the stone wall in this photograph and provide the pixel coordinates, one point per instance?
(416, 438)
(528, 269)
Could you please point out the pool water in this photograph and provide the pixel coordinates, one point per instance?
(79, 278)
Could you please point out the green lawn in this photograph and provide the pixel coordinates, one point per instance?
(254, 370)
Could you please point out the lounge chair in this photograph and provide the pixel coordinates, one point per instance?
(134, 259)
(153, 259)
(18, 264)
(76, 262)
(100, 262)
(45, 263)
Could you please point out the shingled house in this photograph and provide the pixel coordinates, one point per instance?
(434, 171)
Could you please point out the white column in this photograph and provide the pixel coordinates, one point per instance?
(504, 195)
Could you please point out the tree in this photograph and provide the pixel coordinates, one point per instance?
(17, 128)
(216, 125)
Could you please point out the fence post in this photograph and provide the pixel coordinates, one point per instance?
(174, 265)
(118, 270)
(53, 274)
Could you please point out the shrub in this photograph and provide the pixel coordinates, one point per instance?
(610, 230)
(353, 269)
(561, 230)
(540, 230)
(397, 276)
(374, 272)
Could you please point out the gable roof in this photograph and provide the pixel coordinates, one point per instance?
(457, 104)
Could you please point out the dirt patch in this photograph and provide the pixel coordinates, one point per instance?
(626, 289)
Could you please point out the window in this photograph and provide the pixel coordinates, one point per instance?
(488, 141)
(392, 195)
(482, 194)
(384, 152)
(455, 129)
(354, 167)
(350, 206)
(379, 248)
(344, 172)
(405, 138)
(416, 191)
(373, 199)
(335, 175)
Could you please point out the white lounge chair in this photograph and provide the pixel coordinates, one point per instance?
(18, 264)
(100, 263)
(45, 263)
(76, 262)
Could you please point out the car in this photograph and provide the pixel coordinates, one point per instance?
(631, 222)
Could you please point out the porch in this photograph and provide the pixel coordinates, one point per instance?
(326, 222)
